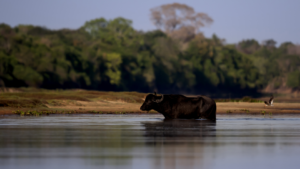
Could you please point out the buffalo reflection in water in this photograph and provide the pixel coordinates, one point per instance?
(179, 143)
(178, 128)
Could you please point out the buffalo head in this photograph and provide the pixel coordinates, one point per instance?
(151, 101)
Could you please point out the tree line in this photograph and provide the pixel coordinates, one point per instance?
(110, 55)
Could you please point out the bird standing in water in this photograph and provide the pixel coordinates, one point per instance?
(270, 102)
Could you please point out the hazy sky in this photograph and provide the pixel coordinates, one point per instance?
(234, 20)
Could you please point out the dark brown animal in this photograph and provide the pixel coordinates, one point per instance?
(181, 107)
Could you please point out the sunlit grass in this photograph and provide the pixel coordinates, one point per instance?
(244, 99)
(228, 111)
(42, 98)
(246, 110)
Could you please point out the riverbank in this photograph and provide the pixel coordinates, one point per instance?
(132, 108)
(38, 102)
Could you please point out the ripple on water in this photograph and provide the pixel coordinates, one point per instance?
(132, 141)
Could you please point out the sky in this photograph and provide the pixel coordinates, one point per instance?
(234, 20)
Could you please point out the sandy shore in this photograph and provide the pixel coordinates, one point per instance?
(243, 107)
(119, 107)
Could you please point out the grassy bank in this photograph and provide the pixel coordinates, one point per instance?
(27, 101)
(38, 101)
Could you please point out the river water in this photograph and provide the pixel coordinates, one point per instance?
(148, 141)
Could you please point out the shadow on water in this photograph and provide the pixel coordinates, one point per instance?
(175, 129)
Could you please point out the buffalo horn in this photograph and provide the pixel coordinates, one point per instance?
(160, 100)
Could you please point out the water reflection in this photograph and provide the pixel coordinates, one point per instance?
(180, 128)
(131, 141)
(176, 143)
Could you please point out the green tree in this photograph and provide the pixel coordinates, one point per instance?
(293, 79)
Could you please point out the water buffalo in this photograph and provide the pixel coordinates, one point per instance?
(181, 107)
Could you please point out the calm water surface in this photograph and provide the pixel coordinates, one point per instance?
(148, 141)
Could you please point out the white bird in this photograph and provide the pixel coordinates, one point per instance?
(270, 102)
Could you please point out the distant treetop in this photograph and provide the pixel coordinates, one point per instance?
(179, 20)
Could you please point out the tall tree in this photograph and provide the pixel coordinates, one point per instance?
(179, 20)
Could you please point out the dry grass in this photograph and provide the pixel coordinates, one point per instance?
(257, 108)
(29, 98)
(40, 101)
(35, 100)
(244, 99)
(21, 102)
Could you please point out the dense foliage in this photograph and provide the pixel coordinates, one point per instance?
(111, 55)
